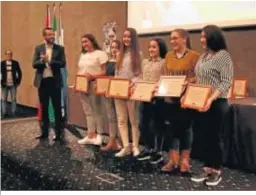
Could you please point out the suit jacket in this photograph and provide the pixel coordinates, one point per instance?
(57, 62)
(16, 73)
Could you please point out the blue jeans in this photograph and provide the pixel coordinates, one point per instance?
(5, 92)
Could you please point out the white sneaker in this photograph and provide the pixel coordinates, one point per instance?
(85, 140)
(136, 151)
(97, 140)
(118, 144)
(123, 152)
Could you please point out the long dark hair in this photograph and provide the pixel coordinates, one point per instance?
(214, 38)
(135, 52)
(184, 34)
(162, 47)
(93, 40)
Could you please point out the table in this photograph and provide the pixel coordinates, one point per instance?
(239, 136)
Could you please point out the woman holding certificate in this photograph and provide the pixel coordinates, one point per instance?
(92, 64)
(109, 102)
(151, 72)
(180, 61)
(215, 68)
(128, 67)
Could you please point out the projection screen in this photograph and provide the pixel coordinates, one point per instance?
(164, 16)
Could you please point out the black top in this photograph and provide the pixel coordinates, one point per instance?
(110, 68)
(57, 62)
(16, 73)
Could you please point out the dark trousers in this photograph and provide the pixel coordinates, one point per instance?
(210, 124)
(151, 125)
(179, 132)
(46, 91)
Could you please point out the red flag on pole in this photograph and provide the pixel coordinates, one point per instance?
(47, 25)
(48, 17)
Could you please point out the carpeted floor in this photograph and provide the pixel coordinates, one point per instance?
(30, 164)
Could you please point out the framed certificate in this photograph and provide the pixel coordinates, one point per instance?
(196, 96)
(239, 87)
(170, 86)
(143, 91)
(118, 88)
(102, 84)
(81, 84)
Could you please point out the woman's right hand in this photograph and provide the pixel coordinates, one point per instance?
(184, 86)
(155, 89)
(131, 90)
(73, 88)
(89, 76)
(181, 101)
(94, 87)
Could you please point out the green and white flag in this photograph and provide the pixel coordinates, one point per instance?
(54, 27)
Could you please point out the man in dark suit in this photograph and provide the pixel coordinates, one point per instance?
(11, 79)
(48, 59)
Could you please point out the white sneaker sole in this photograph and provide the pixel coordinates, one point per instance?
(122, 155)
(213, 183)
(97, 143)
(198, 180)
(144, 158)
(83, 142)
(157, 161)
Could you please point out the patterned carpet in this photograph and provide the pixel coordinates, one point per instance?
(29, 164)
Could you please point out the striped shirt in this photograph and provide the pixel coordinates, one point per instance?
(152, 69)
(215, 70)
(9, 73)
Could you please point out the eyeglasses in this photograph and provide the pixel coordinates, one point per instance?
(174, 38)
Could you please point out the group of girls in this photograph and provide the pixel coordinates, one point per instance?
(171, 123)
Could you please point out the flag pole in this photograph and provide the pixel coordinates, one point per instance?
(60, 26)
(47, 20)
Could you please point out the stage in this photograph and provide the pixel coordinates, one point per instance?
(28, 164)
(239, 131)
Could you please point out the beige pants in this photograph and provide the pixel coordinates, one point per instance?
(124, 107)
(92, 106)
(111, 114)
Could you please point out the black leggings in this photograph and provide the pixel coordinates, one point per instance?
(151, 124)
(179, 132)
(209, 127)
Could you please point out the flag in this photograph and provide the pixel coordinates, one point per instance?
(60, 28)
(47, 25)
(64, 72)
(59, 39)
(54, 27)
(48, 17)
(54, 24)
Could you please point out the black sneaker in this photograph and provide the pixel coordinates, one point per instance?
(200, 177)
(214, 179)
(156, 158)
(144, 155)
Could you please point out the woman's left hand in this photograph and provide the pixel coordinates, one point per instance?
(131, 90)
(89, 76)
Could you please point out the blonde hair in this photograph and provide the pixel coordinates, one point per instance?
(184, 34)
